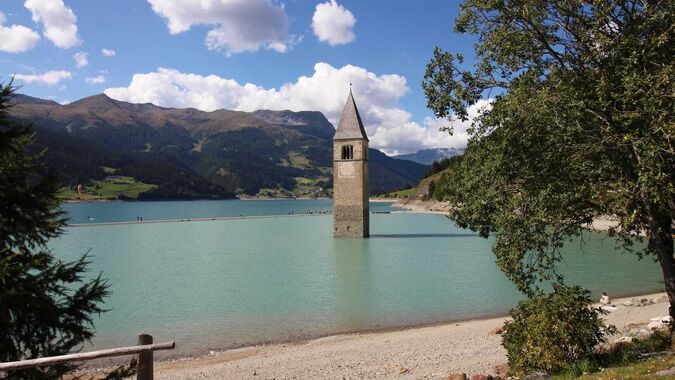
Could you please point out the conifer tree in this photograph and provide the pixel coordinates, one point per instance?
(46, 305)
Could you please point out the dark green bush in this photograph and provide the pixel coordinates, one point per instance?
(552, 332)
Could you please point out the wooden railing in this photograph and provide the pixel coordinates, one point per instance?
(144, 349)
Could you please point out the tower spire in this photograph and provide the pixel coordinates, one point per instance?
(350, 126)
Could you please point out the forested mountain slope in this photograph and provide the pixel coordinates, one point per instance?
(189, 153)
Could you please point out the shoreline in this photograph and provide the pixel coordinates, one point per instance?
(602, 223)
(426, 350)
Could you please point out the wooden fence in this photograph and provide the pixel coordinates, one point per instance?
(144, 349)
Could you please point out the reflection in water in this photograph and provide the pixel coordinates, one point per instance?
(353, 282)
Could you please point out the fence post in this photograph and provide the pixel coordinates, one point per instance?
(145, 359)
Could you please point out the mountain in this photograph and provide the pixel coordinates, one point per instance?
(428, 156)
(188, 153)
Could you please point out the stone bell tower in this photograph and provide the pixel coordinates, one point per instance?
(350, 175)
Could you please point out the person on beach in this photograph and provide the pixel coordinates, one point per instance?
(604, 299)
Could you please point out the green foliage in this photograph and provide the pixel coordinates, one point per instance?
(582, 124)
(46, 307)
(432, 190)
(645, 369)
(438, 193)
(628, 352)
(623, 360)
(439, 166)
(551, 332)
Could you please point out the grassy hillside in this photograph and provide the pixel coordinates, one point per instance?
(430, 186)
(111, 187)
(188, 154)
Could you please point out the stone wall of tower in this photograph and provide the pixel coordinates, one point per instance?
(350, 190)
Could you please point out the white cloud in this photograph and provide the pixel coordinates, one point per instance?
(95, 80)
(16, 38)
(333, 23)
(108, 52)
(50, 78)
(407, 136)
(237, 26)
(81, 59)
(389, 127)
(59, 21)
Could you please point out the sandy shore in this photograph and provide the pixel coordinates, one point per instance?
(431, 352)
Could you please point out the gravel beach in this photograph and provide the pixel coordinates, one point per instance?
(432, 352)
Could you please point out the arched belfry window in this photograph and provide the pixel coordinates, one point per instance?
(347, 152)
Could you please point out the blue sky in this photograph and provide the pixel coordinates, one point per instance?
(294, 54)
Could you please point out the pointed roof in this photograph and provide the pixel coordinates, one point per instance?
(350, 126)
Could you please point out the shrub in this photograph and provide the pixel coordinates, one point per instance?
(552, 332)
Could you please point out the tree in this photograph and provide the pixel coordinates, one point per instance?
(431, 190)
(46, 306)
(582, 124)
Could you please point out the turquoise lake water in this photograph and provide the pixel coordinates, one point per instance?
(226, 283)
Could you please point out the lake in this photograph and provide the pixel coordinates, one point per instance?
(226, 283)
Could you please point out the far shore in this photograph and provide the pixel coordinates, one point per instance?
(246, 198)
(430, 352)
(603, 223)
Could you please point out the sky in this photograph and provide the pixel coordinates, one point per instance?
(242, 55)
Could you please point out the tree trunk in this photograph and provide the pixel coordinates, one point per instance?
(661, 242)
